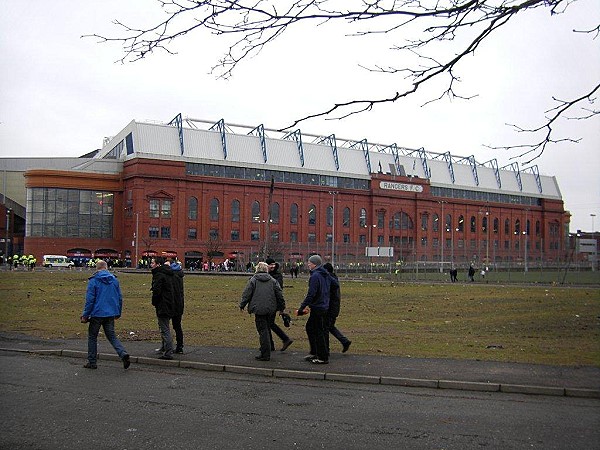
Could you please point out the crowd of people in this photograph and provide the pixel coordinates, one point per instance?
(262, 296)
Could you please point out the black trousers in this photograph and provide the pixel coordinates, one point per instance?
(316, 330)
(263, 327)
(279, 332)
(176, 322)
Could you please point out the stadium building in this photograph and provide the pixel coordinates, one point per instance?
(203, 191)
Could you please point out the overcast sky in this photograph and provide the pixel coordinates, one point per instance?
(60, 95)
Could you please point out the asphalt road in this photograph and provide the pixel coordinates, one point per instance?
(54, 403)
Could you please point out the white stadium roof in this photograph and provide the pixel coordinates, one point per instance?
(200, 141)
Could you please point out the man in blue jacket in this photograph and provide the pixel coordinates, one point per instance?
(103, 304)
(317, 300)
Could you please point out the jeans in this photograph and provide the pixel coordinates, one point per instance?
(108, 324)
(178, 332)
(316, 330)
(165, 334)
(263, 326)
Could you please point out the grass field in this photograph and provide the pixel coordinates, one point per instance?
(549, 325)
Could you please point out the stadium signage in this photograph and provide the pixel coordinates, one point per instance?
(401, 186)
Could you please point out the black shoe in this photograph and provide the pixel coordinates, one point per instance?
(346, 346)
(179, 350)
(167, 357)
(286, 344)
(309, 357)
(90, 366)
(262, 358)
(126, 362)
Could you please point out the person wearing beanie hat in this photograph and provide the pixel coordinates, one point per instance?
(316, 260)
(285, 339)
(317, 299)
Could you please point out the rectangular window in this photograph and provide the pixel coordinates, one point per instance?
(423, 242)
(346, 238)
(275, 236)
(192, 233)
(435, 242)
(165, 232)
(153, 232)
(362, 239)
(235, 235)
(312, 237)
(154, 207)
(328, 237)
(294, 236)
(213, 234)
(165, 208)
(254, 236)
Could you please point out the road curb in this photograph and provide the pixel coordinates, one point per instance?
(344, 378)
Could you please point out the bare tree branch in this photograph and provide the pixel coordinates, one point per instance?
(253, 24)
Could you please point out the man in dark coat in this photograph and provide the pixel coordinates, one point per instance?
(163, 300)
(179, 303)
(275, 273)
(335, 300)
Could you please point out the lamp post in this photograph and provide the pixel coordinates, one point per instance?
(136, 238)
(8, 211)
(526, 233)
(333, 195)
(595, 243)
(443, 237)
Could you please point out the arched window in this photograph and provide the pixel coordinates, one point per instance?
(507, 227)
(436, 223)
(407, 223)
(362, 219)
(346, 217)
(517, 226)
(461, 224)
(473, 224)
(330, 216)
(255, 211)
(484, 224)
(294, 214)
(396, 221)
(496, 225)
(312, 215)
(424, 221)
(235, 211)
(192, 208)
(448, 224)
(538, 228)
(214, 209)
(275, 213)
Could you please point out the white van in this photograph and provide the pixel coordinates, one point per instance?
(57, 261)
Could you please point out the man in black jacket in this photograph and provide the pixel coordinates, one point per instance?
(179, 303)
(335, 299)
(275, 273)
(163, 300)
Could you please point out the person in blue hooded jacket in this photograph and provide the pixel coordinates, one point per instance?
(103, 304)
(317, 300)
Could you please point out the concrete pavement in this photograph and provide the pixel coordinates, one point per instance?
(346, 367)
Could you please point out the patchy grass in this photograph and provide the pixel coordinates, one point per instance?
(548, 325)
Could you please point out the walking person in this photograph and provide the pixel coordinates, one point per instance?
(286, 341)
(103, 304)
(163, 300)
(471, 273)
(179, 303)
(334, 310)
(317, 300)
(264, 297)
